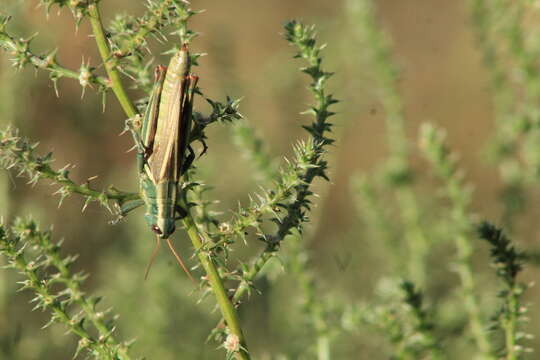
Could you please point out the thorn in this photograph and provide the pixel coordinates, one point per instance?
(126, 129)
(82, 93)
(55, 85)
(85, 204)
(132, 148)
(104, 101)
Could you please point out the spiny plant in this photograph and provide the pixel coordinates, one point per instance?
(396, 173)
(123, 47)
(427, 224)
(459, 195)
(401, 318)
(511, 316)
(509, 53)
(58, 289)
(457, 217)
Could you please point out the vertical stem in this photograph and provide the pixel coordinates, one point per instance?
(227, 309)
(468, 285)
(105, 52)
(414, 234)
(509, 325)
(323, 348)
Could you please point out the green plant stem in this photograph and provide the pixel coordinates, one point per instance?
(22, 55)
(87, 307)
(226, 306)
(105, 346)
(510, 327)
(105, 52)
(416, 237)
(76, 328)
(465, 250)
(323, 347)
(227, 309)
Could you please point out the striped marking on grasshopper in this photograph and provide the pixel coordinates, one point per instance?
(163, 143)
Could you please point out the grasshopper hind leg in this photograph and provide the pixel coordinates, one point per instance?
(188, 160)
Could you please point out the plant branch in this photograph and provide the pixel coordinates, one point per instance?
(104, 51)
(508, 263)
(293, 188)
(21, 54)
(17, 152)
(44, 273)
(398, 173)
(445, 164)
(226, 306)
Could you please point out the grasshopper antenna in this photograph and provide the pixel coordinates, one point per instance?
(180, 262)
(152, 257)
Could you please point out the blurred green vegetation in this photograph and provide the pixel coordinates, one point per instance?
(442, 79)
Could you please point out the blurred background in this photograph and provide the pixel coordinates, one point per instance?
(442, 80)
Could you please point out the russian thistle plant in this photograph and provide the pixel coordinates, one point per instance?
(122, 47)
(58, 290)
(409, 281)
(511, 316)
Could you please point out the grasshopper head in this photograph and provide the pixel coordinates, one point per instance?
(161, 226)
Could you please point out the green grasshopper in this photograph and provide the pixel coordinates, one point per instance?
(163, 144)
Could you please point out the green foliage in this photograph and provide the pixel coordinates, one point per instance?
(399, 315)
(58, 289)
(21, 56)
(510, 56)
(287, 205)
(412, 227)
(396, 173)
(511, 315)
(445, 165)
(18, 153)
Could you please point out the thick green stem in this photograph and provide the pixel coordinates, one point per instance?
(509, 325)
(227, 309)
(226, 306)
(105, 52)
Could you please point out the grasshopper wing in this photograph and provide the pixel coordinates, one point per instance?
(167, 155)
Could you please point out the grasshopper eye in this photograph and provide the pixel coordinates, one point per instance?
(156, 230)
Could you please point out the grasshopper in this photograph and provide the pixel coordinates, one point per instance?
(164, 153)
